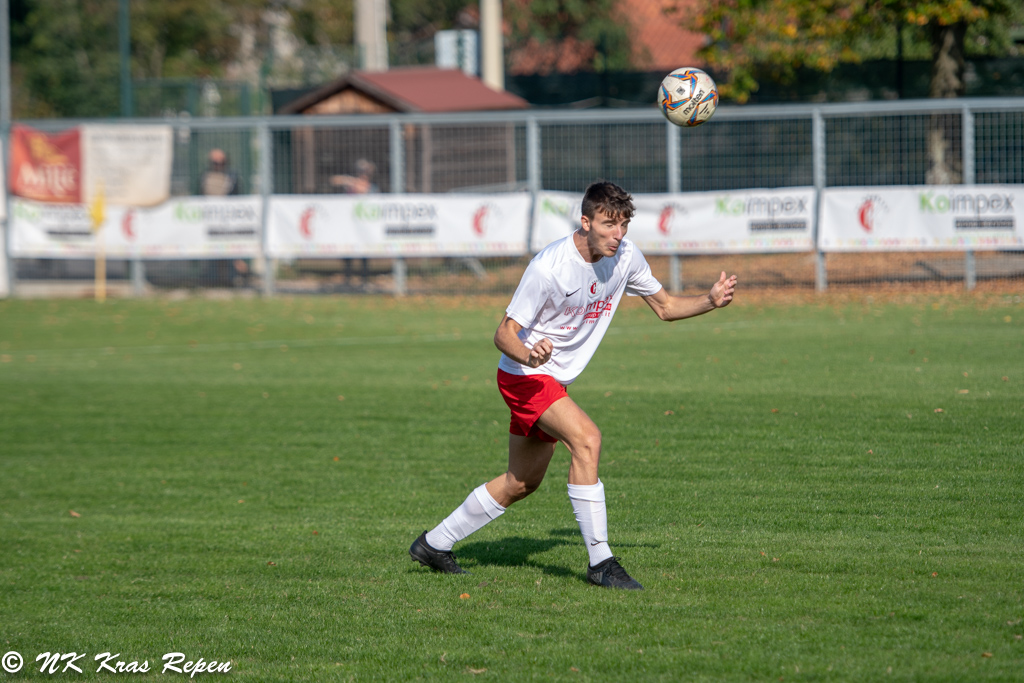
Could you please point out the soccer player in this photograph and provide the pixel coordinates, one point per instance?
(554, 324)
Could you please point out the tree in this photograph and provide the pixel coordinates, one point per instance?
(65, 59)
(567, 35)
(752, 40)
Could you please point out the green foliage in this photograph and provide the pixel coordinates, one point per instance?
(758, 39)
(65, 55)
(777, 477)
(595, 29)
(324, 22)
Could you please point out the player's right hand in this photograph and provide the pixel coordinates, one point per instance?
(540, 353)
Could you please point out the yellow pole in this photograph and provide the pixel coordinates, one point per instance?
(96, 212)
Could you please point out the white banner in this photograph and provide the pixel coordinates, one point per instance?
(3, 185)
(920, 218)
(131, 163)
(389, 225)
(190, 227)
(750, 221)
(4, 280)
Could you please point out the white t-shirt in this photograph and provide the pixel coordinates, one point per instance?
(569, 301)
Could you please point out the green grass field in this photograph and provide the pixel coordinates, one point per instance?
(807, 492)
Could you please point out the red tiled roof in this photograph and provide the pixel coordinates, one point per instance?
(670, 45)
(417, 89)
(658, 37)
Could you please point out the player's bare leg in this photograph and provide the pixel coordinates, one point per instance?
(528, 460)
(567, 422)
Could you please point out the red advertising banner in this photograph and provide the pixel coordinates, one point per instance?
(44, 167)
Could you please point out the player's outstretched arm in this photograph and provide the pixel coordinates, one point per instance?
(668, 307)
(506, 338)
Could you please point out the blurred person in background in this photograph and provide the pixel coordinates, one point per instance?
(361, 182)
(218, 180)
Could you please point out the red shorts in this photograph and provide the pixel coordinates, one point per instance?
(528, 396)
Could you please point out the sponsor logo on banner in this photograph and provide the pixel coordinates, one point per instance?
(46, 168)
(127, 225)
(971, 211)
(60, 222)
(222, 220)
(480, 220)
(667, 217)
(306, 222)
(976, 217)
(556, 207)
(766, 212)
(869, 211)
(401, 219)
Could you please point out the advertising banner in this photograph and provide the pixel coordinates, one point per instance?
(408, 225)
(3, 195)
(4, 279)
(132, 164)
(922, 218)
(46, 167)
(189, 227)
(748, 221)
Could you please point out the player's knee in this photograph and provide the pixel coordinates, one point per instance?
(590, 443)
(518, 489)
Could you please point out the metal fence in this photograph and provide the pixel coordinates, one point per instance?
(827, 145)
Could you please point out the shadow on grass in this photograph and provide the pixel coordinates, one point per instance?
(517, 551)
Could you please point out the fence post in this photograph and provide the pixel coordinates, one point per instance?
(397, 170)
(533, 152)
(533, 166)
(398, 271)
(10, 274)
(675, 273)
(820, 178)
(673, 157)
(138, 277)
(970, 272)
(266, 189)
(675, 185)
(397, 154)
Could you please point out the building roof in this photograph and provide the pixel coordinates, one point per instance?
(660, 42)
(659, 30)
(414, 89)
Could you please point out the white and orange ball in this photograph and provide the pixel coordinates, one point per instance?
(688, 97)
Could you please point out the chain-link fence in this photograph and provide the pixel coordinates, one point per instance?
(949, 142)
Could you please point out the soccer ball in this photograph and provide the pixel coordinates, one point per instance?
(688, 97)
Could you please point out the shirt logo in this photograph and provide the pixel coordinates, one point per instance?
(596, 287)
(573, 291)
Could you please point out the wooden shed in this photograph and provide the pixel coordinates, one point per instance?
(438, 158)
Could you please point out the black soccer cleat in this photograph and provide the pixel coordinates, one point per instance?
(438, 560)
(610, 574)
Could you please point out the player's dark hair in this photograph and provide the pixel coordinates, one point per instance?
(611, 199)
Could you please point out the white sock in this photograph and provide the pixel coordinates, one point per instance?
(592, 516)
(476, 511)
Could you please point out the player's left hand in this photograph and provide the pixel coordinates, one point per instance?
(722, 291)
